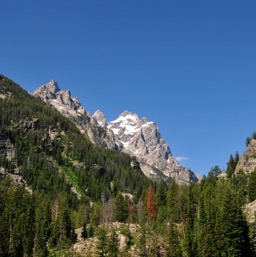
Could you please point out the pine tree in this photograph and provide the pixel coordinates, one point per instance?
(42, 228)
(112, 245)
(173, 248)
(84, 231)
(90, 231)
(190, 225)
(231, 165)
(172, 202)
(121, 208)
(102, 242)
(252, 186)
(161, 194)
(234, 228)
(214, 171)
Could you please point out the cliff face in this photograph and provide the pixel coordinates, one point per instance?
(247, 162)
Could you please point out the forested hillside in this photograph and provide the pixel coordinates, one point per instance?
(60, 195)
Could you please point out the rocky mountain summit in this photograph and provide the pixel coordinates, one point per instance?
(71, 108)
(61, 100)
(128, 133)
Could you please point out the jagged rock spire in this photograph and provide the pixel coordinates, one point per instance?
(49, 88)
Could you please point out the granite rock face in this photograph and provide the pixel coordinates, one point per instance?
(100, 119)
(247, 162)
(61, 100)
(128, 133)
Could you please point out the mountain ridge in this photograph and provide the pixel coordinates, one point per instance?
(128, 134)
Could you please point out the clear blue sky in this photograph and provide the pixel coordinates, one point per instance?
(190, 66)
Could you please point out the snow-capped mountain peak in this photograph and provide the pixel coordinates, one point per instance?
(142, 139)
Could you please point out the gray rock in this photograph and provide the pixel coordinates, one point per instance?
(247, 162)
(7, 149)
(71, 108)
(100, 119)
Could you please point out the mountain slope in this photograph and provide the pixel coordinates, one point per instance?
(127, 134)
(45, 148)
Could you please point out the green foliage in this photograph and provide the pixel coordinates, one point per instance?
(121, 211)
(42, 227)
(84, 232)
(173, 248)
(252, 187)
(234, 228)
(173, 201)
(90, 231)
(231, 165)
(16, 217)
(112, 246)
(102, 244)
(125, 230)
(161, 194)
(215, 171)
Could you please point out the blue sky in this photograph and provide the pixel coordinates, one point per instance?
(190, 66)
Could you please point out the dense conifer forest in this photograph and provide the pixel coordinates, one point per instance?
(53, 180)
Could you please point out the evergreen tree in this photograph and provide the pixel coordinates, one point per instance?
(42, 228)
(84, 231)
(231, 165)
(112, 245)
(190, 225)
(90, 231)
(234, 228)
(173, 248)
(215, 171)
(172, 202)
(121, 208)
(161, 194)
(102, 242)
(252, 186)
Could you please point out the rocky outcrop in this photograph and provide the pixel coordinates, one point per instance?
(249, 210)
(247, 162)
(29, 125)
(7, 148)
(4, 93)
